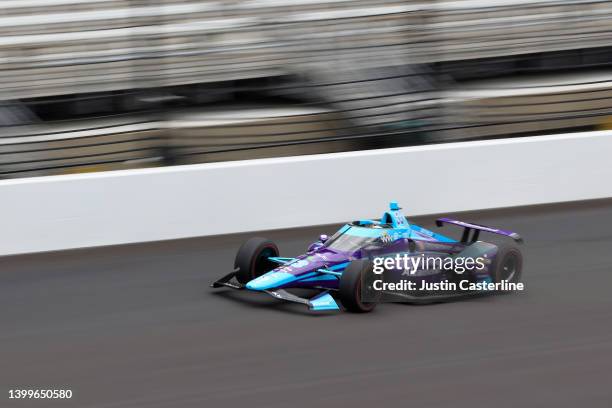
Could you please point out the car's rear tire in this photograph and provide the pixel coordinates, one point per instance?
(252, 259)
(508, 264)
(350, 289)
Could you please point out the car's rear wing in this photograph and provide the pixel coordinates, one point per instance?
(468, 227)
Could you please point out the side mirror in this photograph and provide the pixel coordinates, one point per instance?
(323, 238)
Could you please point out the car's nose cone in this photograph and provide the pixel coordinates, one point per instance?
(270, 280)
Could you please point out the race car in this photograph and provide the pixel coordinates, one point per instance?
(340, 267)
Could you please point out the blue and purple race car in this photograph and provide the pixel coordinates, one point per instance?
(340, 267)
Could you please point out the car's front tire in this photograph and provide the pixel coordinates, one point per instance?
(252, 259)
(350, 290)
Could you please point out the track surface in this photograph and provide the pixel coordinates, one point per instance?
(137, 326)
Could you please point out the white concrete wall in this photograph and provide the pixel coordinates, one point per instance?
(61, 212)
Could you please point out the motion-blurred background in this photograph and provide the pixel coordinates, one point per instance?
(90, 85)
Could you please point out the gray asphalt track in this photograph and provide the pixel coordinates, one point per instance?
(137, 326)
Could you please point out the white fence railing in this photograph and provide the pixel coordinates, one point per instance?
(87, 210)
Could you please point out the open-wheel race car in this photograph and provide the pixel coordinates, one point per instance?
(340, 267)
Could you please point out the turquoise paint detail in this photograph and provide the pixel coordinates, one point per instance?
(281, 260)
(308, 275)
(365, 232)
(270, 280)
(339, 266)
(328, 272)
(324, 301)
(411, 231)
(431, 234)
(344, 228)
(395, 217)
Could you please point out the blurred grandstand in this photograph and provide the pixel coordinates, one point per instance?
(102, 84)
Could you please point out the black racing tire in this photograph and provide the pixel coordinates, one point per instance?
(351, 287)
(508, 264)
(251, 259)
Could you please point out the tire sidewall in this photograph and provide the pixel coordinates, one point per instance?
(350, 287)
(503, 254)
(250, 261)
